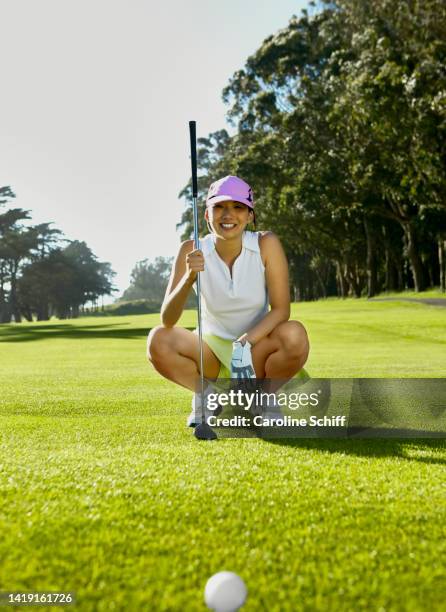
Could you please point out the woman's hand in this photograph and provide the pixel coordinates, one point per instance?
(194, 264)
(242, 367)
(243, 339)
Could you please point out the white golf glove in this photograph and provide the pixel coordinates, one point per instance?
(241, 361)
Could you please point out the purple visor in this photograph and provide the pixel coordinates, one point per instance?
(230, 188)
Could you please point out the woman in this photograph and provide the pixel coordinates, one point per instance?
(241, 273)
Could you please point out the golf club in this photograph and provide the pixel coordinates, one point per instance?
(202, 431)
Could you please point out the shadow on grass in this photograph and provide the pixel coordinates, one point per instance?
(28, 333)
(367, 447)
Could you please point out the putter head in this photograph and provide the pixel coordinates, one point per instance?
(204, 432)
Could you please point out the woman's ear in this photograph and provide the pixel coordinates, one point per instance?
(252, 218)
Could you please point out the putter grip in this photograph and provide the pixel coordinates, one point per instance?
(193, 156)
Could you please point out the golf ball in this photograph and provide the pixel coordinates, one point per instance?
(225, 592)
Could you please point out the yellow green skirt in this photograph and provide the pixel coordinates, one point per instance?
(222, 349)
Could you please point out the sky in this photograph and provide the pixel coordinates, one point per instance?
(94, 110)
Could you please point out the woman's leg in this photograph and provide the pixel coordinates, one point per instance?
(282, 353)
(175, 354)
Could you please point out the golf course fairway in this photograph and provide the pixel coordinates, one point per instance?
(106, 493)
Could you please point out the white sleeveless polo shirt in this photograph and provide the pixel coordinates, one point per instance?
(230, 306)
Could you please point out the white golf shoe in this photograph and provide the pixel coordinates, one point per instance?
(196, 415)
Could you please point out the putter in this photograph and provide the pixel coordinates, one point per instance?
(202, 431)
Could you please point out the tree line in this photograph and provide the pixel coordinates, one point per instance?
(148, 283)
(42, 273)
(340, 125)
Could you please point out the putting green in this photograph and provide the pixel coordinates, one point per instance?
(106, 493)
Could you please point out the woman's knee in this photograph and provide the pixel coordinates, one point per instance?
(294, 339)
(159, 343)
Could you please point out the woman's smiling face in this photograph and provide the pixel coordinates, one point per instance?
(228, 219)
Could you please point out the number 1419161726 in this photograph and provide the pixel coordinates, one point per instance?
(31, 598)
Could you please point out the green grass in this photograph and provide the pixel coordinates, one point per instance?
(106, 493)
(410, 293)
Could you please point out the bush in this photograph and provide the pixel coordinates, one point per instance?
(130, 307)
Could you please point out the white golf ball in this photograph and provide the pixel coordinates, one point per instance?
(225, 592)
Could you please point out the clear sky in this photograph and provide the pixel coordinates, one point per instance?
(95, 100)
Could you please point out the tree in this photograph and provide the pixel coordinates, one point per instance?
(397, 129)
(37, 276)
(16, 244)
(341, 123)
(62, 281)
(46, 286)
(149, 280)
(92, 279)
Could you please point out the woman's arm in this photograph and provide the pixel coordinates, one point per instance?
(276, 275)
(184, 272)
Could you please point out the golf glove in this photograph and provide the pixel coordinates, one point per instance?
(241, 361)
